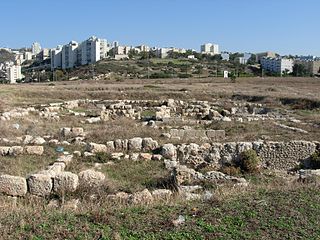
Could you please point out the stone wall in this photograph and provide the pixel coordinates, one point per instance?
(189, 134)
(274, 155)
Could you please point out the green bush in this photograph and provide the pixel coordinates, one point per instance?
(184, 75)
(231, 170)
(315, 160)
(249, 161)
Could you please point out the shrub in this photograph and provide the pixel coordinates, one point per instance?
(315, 160)
(249, 161)
(231, 170)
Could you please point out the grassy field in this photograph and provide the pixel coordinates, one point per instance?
(272, 207)
(263, 214)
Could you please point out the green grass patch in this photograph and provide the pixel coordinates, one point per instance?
(131, 176)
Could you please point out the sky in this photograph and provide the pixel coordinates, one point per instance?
(283, 26)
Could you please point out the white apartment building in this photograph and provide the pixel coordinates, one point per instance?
(28, 56)
(36, 48)
(277, 65)
(69, 55)
(13, 73)
(210, 48)
(143, 48)
(56, 57)
(89, 51)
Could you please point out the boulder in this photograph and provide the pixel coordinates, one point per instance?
(15, 150)
(135, 144)
(91, 178)
(4, 151)
(169, 151)
(148, 144)
(40, 184)
(13, 186)
(38, 141)
(162, 194)
(144, 197)
(65, 182)
(96, 148)
(34, 150)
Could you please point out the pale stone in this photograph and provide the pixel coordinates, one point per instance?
(13, 186)
(40, 184)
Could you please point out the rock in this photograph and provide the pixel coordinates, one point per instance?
(71, 205)
(97, 148)
(88, 154)
(40, 184)
(226, 119)
(4, 151)
(91, 178)
(169, 151)
(170, 164)
(156, 157)
(145, 156)
(13, 186)
(144, 197)
(38, 141)
(16, 126)
(166, 135)
(135, 144)
(34, 150)
(65, 182)
(134, 156)
(77, 153)
(179, 221)
(53, 203)
(119, 197)
(77, 131)
(27, 139)
(93, 120)
(161, 195)
(57, 167)
(15, 150)
(148, 144)
(191, 196)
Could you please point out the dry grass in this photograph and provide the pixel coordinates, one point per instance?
(22, 165)
(122, 128)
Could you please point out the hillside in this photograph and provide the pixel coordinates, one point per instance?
(5, 56)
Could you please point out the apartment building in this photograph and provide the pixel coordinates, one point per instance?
(259, 56)
(36, 48)
(277, 65)
(73, 54)
(56, 57)
(313, 66)
(13, 73)
(210, 48)
(69, 55)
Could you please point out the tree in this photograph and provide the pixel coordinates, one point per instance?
(199, 69)
(300, 70)
(132, 53)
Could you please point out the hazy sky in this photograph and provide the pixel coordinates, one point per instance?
(284, 26)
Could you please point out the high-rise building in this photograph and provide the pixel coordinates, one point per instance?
(89, 51)
(36, 48)
(13, 73)
(69, 55)
(56, 57)
(210, 48)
